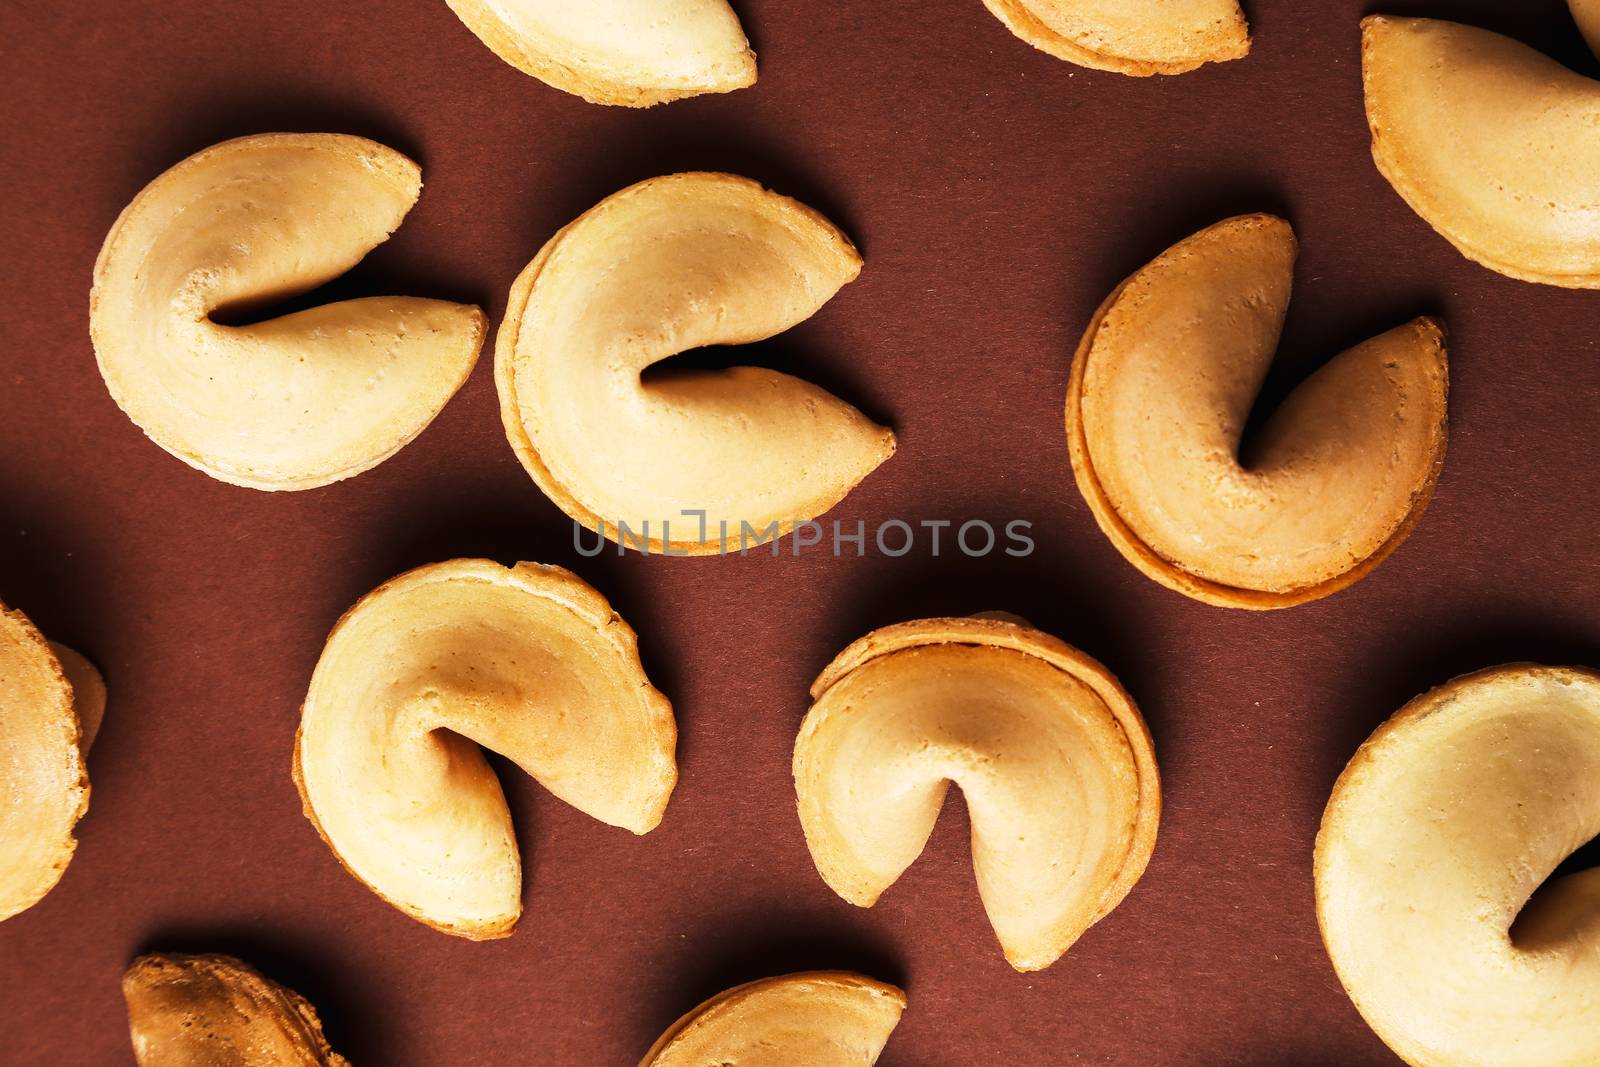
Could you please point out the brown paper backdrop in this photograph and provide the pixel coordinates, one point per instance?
(997, 195)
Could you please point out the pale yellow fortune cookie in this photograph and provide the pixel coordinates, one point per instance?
(51, 702)
(633, 53)
(527, 661)
(295, 401)
(1495, 145)
(214, 1011)
(815, 1019)
(1433, 873)
(1137, 37)
(1160, 390)
(1054, 760)
(701, 456)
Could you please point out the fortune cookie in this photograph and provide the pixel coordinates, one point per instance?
(1433, 873)
(214, 1011)
(1587, 15)
(1495, 145)
(1160, 390)
(818, 1019)
(528, 662)
(634, 53)
(690, 461)
(299, 400)
(1138, 37)
(1056, 764)
(51, 701)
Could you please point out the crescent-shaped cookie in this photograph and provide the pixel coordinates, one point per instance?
(1160, 390)
(1434, 864)
(1056, 764)
(51, 701)
(818, 1018)
(527, 661)
(1495, 145)
(1138, 37)
(214, 1011)
(634, 53)
(296, 401)
(700, 456)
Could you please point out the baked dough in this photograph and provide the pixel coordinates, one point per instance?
(214, 1011)
(527, 661)
(668, 265)
(1492, 143)
(1138, 37)
(51, 702)
(1441, 828)
(296, 401)
(1160, 389)
(629, 52)
(1056, 764)
(1587, 15)
(819, 1019)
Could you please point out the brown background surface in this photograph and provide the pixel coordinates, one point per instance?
(997, 195)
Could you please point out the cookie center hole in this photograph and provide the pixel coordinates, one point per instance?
(1567, 904)
(713, 358)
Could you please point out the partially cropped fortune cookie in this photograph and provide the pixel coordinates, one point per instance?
(1138, 37)
(1056, 764)
(1587, 15)
(814, 1019)
(1495, 145)
(527, 661)
(295, 401)
(1433, 873)
(1160, 390)
(214, 1011)
(629, 52)
(687, 461)
(51, 701)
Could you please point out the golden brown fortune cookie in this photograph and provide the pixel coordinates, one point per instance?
(633, 53)
(302, 399)
(214, 1011)
(819, 1019)
(51, 703)
(1494, 144)
(1160, 390)
(689, 460)
(1137, 37)
(526, 661)
(1054, 760)
(1434, 865)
